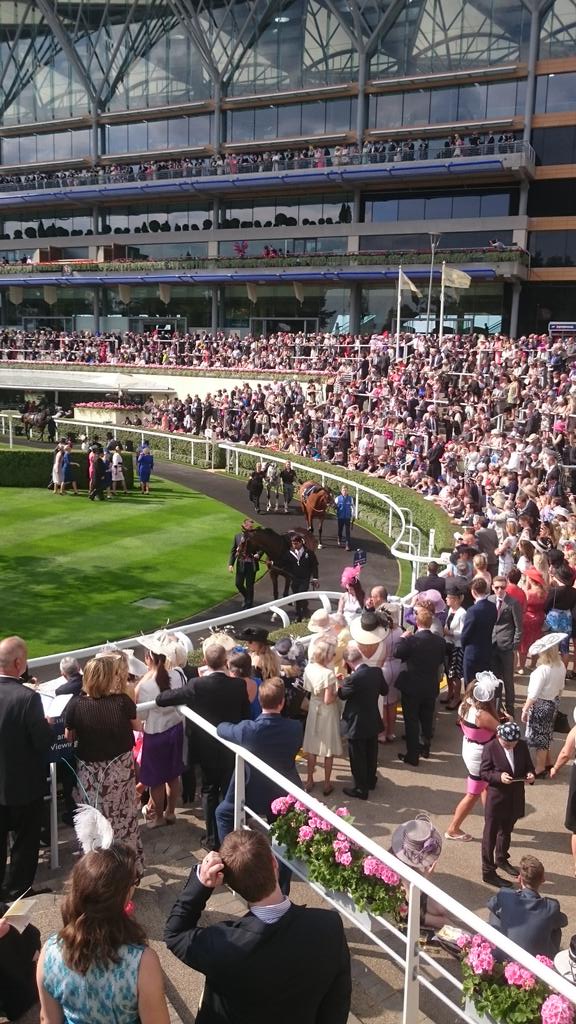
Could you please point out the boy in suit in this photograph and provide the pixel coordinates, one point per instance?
(278, 961)
(477, 631)
(506, 765)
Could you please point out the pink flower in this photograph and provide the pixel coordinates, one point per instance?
(519, 976)
(282, 804)
(342, 812)
(345, 859)
(480, 957)
(545, 960)
(374, 868)
(557, 1010)
(464, 941)
(299, 806)
(305, 833)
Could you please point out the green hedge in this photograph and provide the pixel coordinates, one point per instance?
(426, 514)
(33, 468)
(159, 446)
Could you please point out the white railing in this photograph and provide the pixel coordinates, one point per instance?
(420, 969)
(407, 545)
(204, 627)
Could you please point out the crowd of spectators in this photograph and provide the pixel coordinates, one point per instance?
(379, 151)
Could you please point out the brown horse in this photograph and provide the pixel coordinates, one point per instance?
(276, 547)
(315, 500)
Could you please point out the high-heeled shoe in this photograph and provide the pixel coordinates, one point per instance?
(309, 786)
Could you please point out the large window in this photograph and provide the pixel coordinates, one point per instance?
(289, 211)
(140, 220)
(34, 149)
(286, 246)
(555, 93)
(553, 248)
(147, 136)
(552, 199)
(428, 206)
(295, 119)
(470, 103)
(421, 243)
(555, 145)
(558, 32)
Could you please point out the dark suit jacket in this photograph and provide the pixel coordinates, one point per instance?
(361, 690)
(505, 800)
(431, 583)
(477, 634)
(487, 541)
(507, 629)
(72, 685)
(423, 654)
(276, 740)
(218, 698)
(535, 922)
(297, 969)
(25, 739)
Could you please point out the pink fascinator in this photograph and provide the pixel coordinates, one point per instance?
(350, 575)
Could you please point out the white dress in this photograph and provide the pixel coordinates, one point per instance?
(322, 733)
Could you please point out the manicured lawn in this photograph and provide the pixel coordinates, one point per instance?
(71, 569)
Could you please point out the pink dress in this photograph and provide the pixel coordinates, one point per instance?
(473, 742)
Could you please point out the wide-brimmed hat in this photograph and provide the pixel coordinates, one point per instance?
(368, 628)
(486, 685)
(535, 576)
(417, 843)
(135, 666)
(220, 639)
(254, 635)
(435, 598)
(183, 639)
(560, 513)
(544, 643)
(164, 642)
(321, 620)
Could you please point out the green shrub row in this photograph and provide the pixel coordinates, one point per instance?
(33, 468)
(426, 515)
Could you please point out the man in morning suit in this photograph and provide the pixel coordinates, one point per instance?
(246, 565)
(273, 738)
(506, 636)
(302, 568)
(361, 720)
(423, 655)
(277, 962)
(476, 636)
(218, 697)
(505, 759)
(535, 922)
(432, 581)
(25, 739)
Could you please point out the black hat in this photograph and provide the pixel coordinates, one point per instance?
(254, 634)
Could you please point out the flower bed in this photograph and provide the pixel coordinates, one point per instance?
(335, 862)
(116, 406)
(506, 992)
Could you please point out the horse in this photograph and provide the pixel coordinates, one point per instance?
(35, 419)
(315, 500)
(276, 547)
(273, 485)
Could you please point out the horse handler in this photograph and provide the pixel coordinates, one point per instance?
(303, 571)
(246, 565)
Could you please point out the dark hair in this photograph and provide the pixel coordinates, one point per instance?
(514, 576)
(215, 657)
(356, 587)
(479, 586)
(564, 574)
(432, 567)
(161, 672)
(271, 693)
(248, 865)
(240, 663)
(531, 871)
(95, 925)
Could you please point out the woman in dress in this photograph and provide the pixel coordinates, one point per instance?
(480, 566)
(101, 721)
(544, 688)
(240, 665)
(57, 475)
(453, 633)
(118, 470)
(145, 463)
(351, 602)
(162, 760)
(568, 753)
(507, 547)
(99, 969)
(533, 622)
(560, 605)
(322, 734)
(478, 721)
(525, 549)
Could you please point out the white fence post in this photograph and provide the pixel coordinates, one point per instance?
(411, 1007)
(239, 793)
(10, 432)
(169, 449)
(431, 541)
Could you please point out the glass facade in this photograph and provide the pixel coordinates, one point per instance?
(440, 206)
(33, 149)
(143, 136)
(555, 145)
(553, 248)
(289, 211)
(292, 120)
(471, 102)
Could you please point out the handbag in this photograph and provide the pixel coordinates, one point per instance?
(561, 723)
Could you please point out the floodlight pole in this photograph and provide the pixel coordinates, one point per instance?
(434, 243)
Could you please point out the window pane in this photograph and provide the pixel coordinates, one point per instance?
(501, 99)
(313, 118)
(541, 90)
(561, 92)
(137, 137)
(443, 105)
(157, 135)
(289, 121)
(339, 114)
(117, 138)
(416, 107)
(178, 133)
(382, 210)
(496, 205)
(388, 110)
(466, 206)
(242, 125)
(471, 102)
(266, 123)
(411, 209)
(438, 206)
(80, 143)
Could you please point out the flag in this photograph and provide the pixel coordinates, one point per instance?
(298, 291)
(252, 292)
(407, 285)
(455, 278)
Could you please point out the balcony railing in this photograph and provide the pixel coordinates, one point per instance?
(390, 258)
(389, 153)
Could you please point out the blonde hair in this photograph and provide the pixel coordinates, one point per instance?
(267, 661)
(541, 563)
(550, 657)
(480, 562)
(100, 675)
(323, 652)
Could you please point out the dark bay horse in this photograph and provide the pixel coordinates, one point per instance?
(276, 547)
(37, 419)
(315, 500)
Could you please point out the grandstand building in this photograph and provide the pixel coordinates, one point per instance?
(246, 164)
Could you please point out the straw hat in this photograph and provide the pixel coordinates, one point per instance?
(321, 620)
(417, 843)
(220, 639)
(545, 643)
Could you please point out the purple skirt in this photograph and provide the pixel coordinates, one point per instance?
(162, 756)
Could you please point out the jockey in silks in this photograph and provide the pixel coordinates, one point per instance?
(273, 483)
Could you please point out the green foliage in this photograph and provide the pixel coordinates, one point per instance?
(516, 999)
(33, 468)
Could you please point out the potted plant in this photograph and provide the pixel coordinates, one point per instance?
(330, 859)
(505, 992)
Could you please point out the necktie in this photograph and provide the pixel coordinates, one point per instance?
(498, 607)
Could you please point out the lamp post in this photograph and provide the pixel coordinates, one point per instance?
(434, 243)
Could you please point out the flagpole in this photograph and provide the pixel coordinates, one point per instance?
(441, 331)
(398, 312)
(434, 243)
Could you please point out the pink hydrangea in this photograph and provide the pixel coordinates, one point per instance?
(545, 960)
(342, 812)
(464, 941)
(345, 859)
(517, 975)
(299, 806)
(374, 868)
(557, 1010)
(305, 833)
(480, 958)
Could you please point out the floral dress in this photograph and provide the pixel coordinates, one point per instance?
(104, 995)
